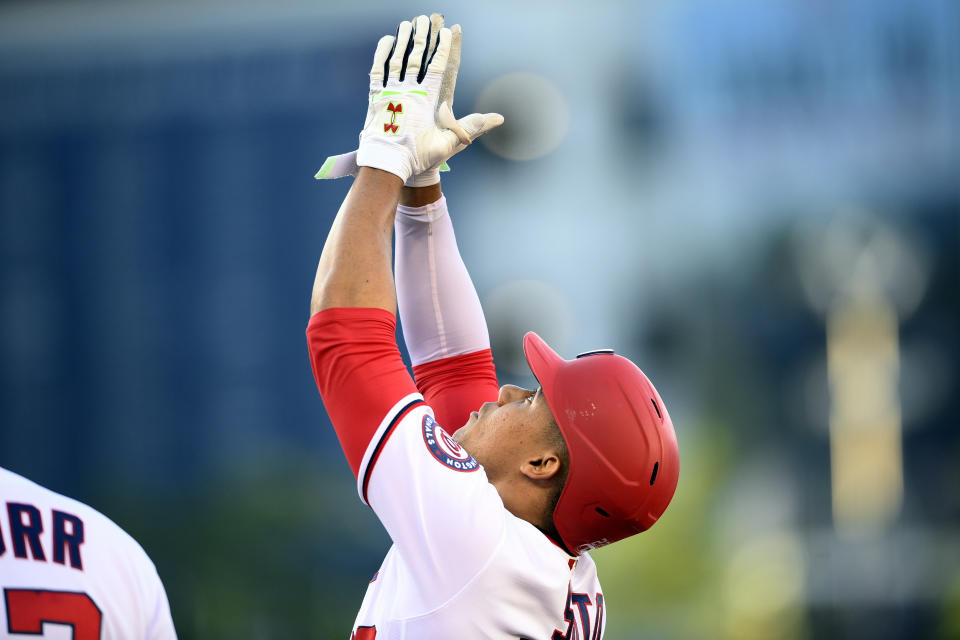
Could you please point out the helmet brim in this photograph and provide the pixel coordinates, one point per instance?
(542, 360)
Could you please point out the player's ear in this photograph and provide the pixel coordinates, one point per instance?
(541, 467)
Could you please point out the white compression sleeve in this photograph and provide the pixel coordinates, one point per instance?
(439, 308)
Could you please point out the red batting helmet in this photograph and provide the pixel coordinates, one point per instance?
(624, 462)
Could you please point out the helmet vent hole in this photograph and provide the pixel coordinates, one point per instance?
(653, 476)
(657, 409)
(602, 512)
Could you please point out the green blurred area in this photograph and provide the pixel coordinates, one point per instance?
(665, 581)
(285, 551)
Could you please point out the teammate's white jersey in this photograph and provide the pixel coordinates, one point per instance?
(462, 566)
(67, 571)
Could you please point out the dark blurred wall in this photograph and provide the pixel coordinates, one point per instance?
(159, 230)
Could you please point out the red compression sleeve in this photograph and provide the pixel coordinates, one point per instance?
(457, 385)
(359, 371)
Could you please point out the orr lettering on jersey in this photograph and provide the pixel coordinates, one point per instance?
(25, 526)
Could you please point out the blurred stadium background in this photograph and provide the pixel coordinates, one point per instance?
(757, 201)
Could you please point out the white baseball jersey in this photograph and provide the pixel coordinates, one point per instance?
(461, 565)
(67, 571)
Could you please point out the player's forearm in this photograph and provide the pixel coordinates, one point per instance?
(439, 308)
(355, 266)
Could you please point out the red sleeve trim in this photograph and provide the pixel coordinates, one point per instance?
(359, 372)
(457, 385)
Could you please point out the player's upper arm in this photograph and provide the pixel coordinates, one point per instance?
(361, 376)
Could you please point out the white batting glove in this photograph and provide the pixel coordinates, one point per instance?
(409, 144)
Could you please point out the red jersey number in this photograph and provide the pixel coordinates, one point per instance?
(28, 609)
(364, 633)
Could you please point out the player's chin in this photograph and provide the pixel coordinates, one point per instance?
(460, 433)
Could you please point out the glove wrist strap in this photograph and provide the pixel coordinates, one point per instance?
(388, 157)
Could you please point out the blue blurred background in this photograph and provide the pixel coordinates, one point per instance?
(756, 201)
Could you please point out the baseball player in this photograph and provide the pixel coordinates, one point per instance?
(67, 571)
(491, 526)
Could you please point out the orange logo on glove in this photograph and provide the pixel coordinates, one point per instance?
(394, 109)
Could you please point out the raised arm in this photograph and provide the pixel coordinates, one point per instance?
(353, 351)
(420, 483)
(443, 323)
(409, 132)
(355, 269)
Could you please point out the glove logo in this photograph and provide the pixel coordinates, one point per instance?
(445, 449)
(394, 109)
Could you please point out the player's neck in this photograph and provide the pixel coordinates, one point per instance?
(528, 503)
